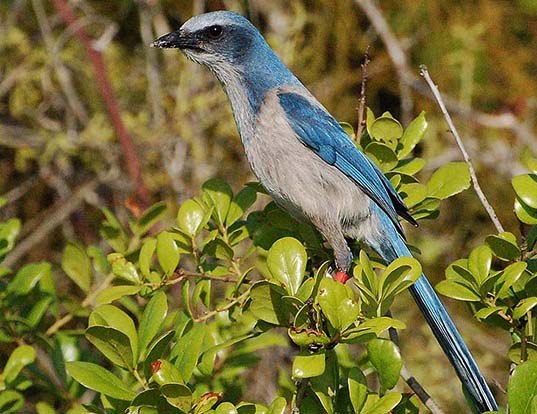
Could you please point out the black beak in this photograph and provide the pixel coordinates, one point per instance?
(176, 40)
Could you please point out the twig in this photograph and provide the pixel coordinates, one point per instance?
(151, 66)
(88, 300)
(14, 194)
(396, 53)
(112, 106)
(413, 383)
(64, 76)
(182, 274)
(232, 303)
(361, 105)
(492, 214)
(62, 211)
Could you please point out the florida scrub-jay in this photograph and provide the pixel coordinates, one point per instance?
(309, 165)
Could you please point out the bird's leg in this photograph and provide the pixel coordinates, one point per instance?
(342, 253)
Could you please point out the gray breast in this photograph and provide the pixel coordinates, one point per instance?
(298, 179)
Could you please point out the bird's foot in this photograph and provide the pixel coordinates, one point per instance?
(341, 277)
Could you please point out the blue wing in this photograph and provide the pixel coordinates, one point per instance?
(318, 130)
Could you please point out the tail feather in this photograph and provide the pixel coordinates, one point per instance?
(445, 331)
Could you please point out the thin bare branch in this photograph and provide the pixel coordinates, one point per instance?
(60, 213)
(14, 194)
(413, 383)
(436, 93)
(125, 140)
(361, 103)
(508, 121)
(396, 53)
(151, 65)
(64, 76)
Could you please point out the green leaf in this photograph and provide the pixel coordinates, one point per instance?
(526, 189)
(157, 349)
(149, 217)
(449, 180)
(96, 378)
(112, 316)
(27, 277)
(413, 193)
(122, 268)
(479, 263)
(9, 230)
(112, 231)
(503, 245)
(167, 252)
(38, 310)
(515, 352)
(192, 217)
(410, 166)
(386, 358)
(219, 249)
(509, 277)
(457, 291)
(44, 408)
(337, 303)
(306, 365)
(412, 135)
(384, 405)
(151, 322)
(286, 261)
(113, 293)
(357, 388)
(383, 156)
(11, 402)
(206, 402)
(524, 306)
(145, 258)
(22, 356)
(267, 303)
(278, 406)
(217, 194)
(522, 388)
(326, 385)
(226, 408)
(370, 118)
(177, 395)
(188, 350)
(306, 337)
(485, 313)
(240, 203)
(113, 344)
(398, 276)
(100, 264)
(525, 213)
(147, 398)
(386, 129)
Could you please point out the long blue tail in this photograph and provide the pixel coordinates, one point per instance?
(444, 330)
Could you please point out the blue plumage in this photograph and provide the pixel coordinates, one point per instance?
(317, 129)
(311, 167)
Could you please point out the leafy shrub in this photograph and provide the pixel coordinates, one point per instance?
(173, 312)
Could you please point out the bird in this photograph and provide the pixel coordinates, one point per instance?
(310, 166)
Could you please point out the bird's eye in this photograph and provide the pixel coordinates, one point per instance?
(215, 31)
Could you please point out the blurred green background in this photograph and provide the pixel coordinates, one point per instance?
(56, 135)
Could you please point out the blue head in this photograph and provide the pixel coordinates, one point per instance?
(231, 47)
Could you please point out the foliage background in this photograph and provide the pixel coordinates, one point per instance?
(55, 134)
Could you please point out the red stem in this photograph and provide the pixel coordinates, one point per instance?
(125, 140)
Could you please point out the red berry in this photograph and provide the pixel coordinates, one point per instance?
(341, 277)
(155, 365)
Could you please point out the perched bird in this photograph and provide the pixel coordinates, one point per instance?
(310, 166)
